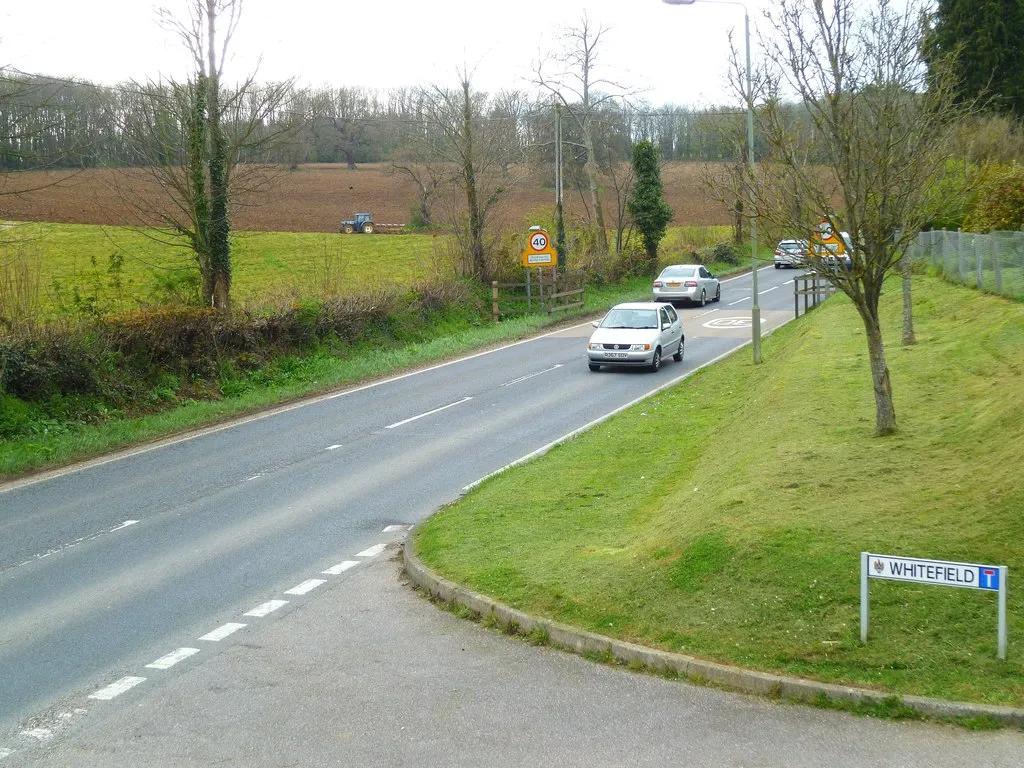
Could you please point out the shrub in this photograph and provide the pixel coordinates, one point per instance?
(1000, 200)
(721, 253)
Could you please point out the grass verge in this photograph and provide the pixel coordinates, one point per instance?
(723, 518)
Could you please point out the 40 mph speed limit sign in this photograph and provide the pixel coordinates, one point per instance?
(539, 252)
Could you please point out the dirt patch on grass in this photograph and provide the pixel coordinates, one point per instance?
(314, 198)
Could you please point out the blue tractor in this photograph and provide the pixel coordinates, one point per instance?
(362, 223)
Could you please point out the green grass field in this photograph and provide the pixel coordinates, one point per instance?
(120, 268)
(724, 518)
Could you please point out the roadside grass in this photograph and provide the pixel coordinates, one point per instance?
(724, 518)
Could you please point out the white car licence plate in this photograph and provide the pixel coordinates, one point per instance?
(616, 354)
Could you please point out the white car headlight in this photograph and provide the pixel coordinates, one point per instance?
(640, 348)
(592, 345)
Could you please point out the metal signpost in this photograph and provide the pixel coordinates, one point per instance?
(991, 578)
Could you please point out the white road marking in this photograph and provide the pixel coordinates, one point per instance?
(264, 609)
(745, 298)
(307, 586)
(4, 752)
(767, 290)
(117, 688)
(334, 447)
(39, 734)
(76, 542)
(396, 528)
(373, 551)
(334, 570)
(428, 413)
(531, 375)
(221, 632)
(172, 658)
(254, 477)
(701, 314)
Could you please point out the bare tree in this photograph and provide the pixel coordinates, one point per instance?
(570, 76)
(457, 136)
(192, 137)
(872, 135)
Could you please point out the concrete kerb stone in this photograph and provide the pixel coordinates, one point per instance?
(734, 678)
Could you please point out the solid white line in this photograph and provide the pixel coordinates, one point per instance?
(395, 528)
(373, 551)
(266, 608)
(221, 632)
(125, 524)
(745, 298)
(172, 658)
(428, 413)
(531, 375)
(334, 570)
(307, 586)
(117, 688)
(333, 447)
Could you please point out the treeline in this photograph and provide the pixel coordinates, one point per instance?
(48, 122)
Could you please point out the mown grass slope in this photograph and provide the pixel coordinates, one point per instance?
(724, 518)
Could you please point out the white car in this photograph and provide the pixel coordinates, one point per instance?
(791, 253)
(636, 334)
(691, 282)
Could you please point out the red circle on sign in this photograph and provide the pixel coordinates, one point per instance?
(539, 241)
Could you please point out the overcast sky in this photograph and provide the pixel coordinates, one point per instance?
(676, 54)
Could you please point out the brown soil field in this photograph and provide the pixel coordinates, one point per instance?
(314, 198)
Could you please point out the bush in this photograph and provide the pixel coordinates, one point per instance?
(720, 253)
(1000, 200)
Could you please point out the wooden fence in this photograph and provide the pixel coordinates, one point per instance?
(542, 290)
(815, 288)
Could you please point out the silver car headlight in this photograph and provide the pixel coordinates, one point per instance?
(593, 345)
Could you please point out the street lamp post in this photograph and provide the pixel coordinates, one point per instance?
(755, 310)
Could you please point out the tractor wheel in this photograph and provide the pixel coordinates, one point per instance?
(368, 228)
(347, 229)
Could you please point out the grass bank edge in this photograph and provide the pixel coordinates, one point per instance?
(561, 552)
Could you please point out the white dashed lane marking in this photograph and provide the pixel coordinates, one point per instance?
(428, 413)
(396, 528)
(116, 688)
(4, 752)
(76, 542)
(223, 631)
(373, 551)
(266, 608)
(39, 734)
(333, 447)
(307, 586)
(172, 658)
(334, 570)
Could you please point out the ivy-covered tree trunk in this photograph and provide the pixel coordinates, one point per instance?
(220, 245)
(196, 160)
(646, 205)
(476, 219)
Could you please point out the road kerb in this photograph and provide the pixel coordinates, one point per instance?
(734, 678)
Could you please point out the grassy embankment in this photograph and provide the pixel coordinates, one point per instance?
(74, 260)
(724, 518)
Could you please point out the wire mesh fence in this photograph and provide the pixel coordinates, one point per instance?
(991, 262)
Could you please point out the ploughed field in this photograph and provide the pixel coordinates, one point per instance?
(315, 198)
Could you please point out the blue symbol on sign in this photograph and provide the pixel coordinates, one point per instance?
(988, 578)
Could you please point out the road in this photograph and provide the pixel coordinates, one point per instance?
(163, 558)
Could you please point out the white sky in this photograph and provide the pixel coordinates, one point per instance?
(676, 54)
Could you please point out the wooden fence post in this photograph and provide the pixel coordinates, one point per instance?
(494, 300)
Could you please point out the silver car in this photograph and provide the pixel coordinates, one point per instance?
(691, 282)
(637, 333)
(791, 253)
